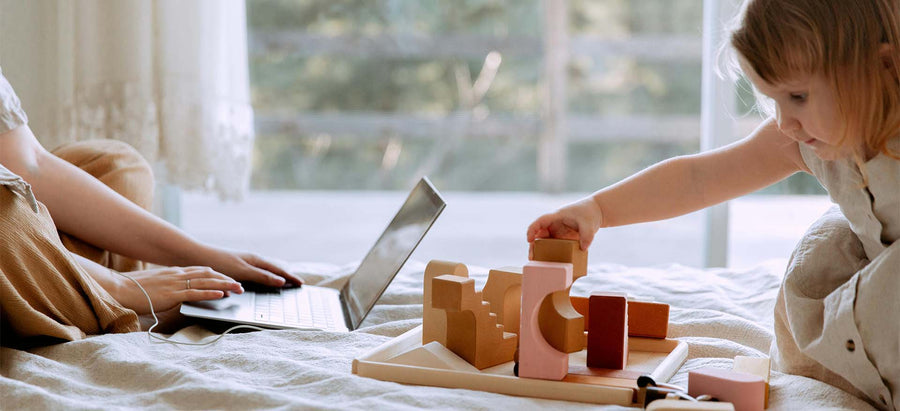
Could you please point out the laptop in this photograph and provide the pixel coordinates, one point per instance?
(322, 308)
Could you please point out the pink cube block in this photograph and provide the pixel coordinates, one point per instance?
(746, 391)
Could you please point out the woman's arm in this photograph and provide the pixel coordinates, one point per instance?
(678, 186)
(166, 286)
(84, 207)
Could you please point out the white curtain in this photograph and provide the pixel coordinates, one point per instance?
(169, 77)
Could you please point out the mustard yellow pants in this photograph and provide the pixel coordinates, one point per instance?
(47, 297)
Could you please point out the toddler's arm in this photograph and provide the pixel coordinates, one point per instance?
(678, 186)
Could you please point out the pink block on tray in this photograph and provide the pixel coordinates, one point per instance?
(746, 391)
(537, 358)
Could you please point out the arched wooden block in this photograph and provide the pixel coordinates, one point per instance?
(537, 358)
(555, 250)
(561, 325)
(434, 321)
(503, 291)
(472, 329)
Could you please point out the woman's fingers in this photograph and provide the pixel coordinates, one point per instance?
(206, 278)
(264, 277)
(265, 265)
(215, 284)
(200, 295)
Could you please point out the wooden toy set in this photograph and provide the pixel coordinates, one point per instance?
(523, 334)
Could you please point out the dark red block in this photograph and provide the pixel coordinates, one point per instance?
(607, 345)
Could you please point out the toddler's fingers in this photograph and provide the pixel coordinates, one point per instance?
(585, 240)
(540, 227)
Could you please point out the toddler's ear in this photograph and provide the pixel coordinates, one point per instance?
(889, 57)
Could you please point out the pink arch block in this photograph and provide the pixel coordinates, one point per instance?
(537, 358)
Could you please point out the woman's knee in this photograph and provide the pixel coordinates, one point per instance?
(116, 164)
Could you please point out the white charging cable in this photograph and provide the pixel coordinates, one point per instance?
(156, 321)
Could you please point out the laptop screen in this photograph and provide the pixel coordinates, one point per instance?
(391, 251)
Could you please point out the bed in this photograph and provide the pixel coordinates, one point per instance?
(721, 313)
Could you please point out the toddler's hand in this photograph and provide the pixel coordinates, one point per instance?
(577, 221)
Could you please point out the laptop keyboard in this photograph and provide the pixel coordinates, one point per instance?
(310, 308)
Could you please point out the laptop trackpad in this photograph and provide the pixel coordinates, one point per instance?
(220, 304)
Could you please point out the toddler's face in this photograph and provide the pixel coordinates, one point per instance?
(806, 111)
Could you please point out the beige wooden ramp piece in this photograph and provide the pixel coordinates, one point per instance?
(433, 355)
(503, 291)
(434, 321)
(554, 250)
(472, 329)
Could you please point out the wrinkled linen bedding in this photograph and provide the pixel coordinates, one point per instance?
(721, 313)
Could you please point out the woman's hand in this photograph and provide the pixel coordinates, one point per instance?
(171, 286)
(243, 266)
(577, 221)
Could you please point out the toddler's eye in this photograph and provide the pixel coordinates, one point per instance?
(799, 97)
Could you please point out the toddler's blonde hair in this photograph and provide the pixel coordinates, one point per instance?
(842, 40)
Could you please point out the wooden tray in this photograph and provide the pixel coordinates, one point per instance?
(657, 358)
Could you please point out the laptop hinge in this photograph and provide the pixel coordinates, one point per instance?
(345, 309)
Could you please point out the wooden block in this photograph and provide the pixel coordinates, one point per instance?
(434, 321)
(645, 318)
(581, 305)
(648, 319)
(560, 324)
(433, 355)
(607, 345)
(503, 291)
(759, 366)
(684, 405)
(555, 250)
(746, 391)
(537, 358)
(472, 329)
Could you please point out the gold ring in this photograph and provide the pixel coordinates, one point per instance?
(188, 284)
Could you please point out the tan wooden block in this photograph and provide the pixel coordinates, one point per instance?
(582, 305)
(645, 318)
(648, 319)
(503, 291)
(555, 250)
(472, 329)
(434, 321)
(560, 324)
